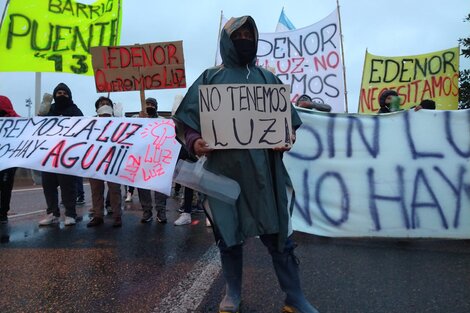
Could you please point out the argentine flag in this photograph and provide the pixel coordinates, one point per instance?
(284, 23)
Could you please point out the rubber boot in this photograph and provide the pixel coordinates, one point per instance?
(232, 262)
(286, 266)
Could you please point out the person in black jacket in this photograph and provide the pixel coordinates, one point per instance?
(63, 106)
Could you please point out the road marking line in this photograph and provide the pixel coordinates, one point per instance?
(28, 189)
(26, 214)
(190, 292)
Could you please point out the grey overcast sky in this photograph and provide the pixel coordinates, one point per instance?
(384, 27)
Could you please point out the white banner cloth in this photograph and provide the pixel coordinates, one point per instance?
(138, 152)
(404, 174)
(309, 60)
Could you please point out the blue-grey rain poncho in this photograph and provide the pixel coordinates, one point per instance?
(262, 207)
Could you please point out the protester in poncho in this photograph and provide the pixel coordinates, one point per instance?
(263, 208)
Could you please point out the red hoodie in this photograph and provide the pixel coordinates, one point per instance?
(7, 107)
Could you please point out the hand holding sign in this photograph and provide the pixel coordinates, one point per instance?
(201, 147)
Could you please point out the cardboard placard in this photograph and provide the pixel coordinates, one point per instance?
(139, 67)
(245, 116)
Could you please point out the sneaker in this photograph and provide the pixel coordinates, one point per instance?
(96, 221)
(161, 216)
(80, 200)
(49, 220)
(184, 219)
(128, 197)
(146, 217)
(69, 221)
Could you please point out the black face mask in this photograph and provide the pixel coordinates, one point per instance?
(151, 111)
(63, 101)
(246, 50)
(3, 113)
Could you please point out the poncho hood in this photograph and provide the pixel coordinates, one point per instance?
(227, 49)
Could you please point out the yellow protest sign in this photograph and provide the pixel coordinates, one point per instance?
(426, 76)
(56, 35)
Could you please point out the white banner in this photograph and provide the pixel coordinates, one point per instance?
(138, 152)
(405, 174)
(308, 59)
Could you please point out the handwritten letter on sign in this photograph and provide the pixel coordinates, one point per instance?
(137, 67)
(138, 152)
(245, 116)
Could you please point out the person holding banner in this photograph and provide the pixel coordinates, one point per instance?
(306, 102)
(63, 106)
(385, 100)
(7, 176)
(104, 108)
(426, 104)
(264, 206)
(145, 195)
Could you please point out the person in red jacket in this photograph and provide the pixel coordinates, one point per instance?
(7, 176)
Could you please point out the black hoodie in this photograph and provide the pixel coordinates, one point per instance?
(70, 109)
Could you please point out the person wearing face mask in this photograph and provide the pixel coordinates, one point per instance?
(63, 105)
(7, 176)
(145, 195)
(264, 206)
(151, 107)
(104, 108)
(385, 100)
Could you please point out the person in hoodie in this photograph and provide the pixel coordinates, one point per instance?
(7, 176)
(263, 208)
(385, 99)
(63, 106)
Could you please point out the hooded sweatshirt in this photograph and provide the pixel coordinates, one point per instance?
(6, 108)
(63, 108)
(384, 108)
(262, 207)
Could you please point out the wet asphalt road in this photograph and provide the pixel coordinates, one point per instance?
(163, 268)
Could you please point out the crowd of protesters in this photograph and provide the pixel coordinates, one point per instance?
(264, 206)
